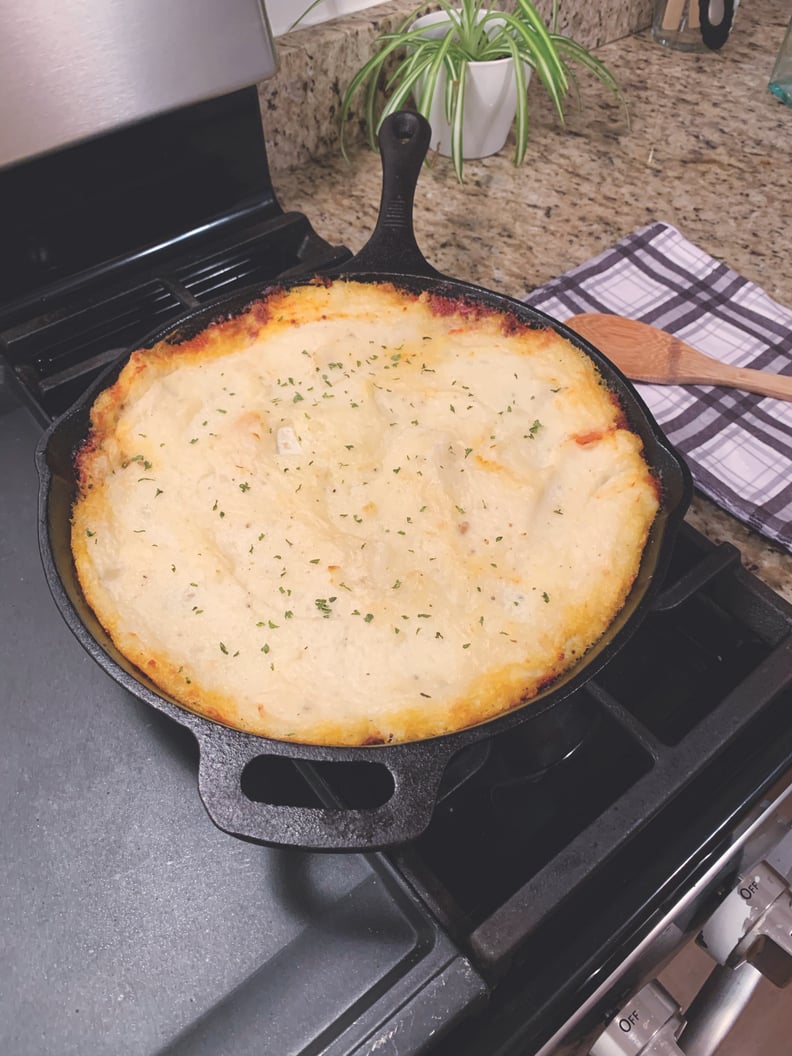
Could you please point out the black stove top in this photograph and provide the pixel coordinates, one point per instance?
(547, 870)
(132, 925)
(623, 746)
(110, 239)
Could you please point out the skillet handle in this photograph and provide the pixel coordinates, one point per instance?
(403, 142)
(416, 770)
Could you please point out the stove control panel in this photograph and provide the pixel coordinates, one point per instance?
(648, 1026)
(754, 922)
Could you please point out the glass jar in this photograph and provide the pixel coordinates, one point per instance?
(677, 25)
(781, 77)
(694, 25)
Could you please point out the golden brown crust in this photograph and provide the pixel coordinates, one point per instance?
(356, 515)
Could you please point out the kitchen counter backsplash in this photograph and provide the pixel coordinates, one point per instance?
(300, 105)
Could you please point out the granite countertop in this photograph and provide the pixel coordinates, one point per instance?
(706, 148)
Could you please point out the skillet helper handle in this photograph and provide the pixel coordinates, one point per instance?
(403, 141)
(416, 770)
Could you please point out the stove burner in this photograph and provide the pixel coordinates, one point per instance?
(542, 784)
(549, 738)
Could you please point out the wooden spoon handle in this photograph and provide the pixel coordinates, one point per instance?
(691, 367)
(647, 354)
(777, 385)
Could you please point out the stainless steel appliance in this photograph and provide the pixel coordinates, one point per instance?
(553, 882)
(82, 67)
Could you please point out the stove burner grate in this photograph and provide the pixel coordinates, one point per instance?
(58, 348)
(506, 851)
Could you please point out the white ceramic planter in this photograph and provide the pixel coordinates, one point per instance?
(490, 102)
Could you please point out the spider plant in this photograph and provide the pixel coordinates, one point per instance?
(420, 61)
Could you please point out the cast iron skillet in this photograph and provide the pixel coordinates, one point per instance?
(416, 768)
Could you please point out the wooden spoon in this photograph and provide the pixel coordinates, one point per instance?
(644, 353)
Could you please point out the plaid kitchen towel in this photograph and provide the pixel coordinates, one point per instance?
(738, 445)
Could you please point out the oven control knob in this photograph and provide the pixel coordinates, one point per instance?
(649, 1025)
(754, 922)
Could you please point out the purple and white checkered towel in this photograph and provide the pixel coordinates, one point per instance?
(738, 445)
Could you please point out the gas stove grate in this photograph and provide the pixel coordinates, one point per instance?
(57, 349)
(694, 682)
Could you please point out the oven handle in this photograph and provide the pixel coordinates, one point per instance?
(717, 1007)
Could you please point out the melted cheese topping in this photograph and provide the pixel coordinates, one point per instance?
(355, 514)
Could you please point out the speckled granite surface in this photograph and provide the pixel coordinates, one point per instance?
(707, 148)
